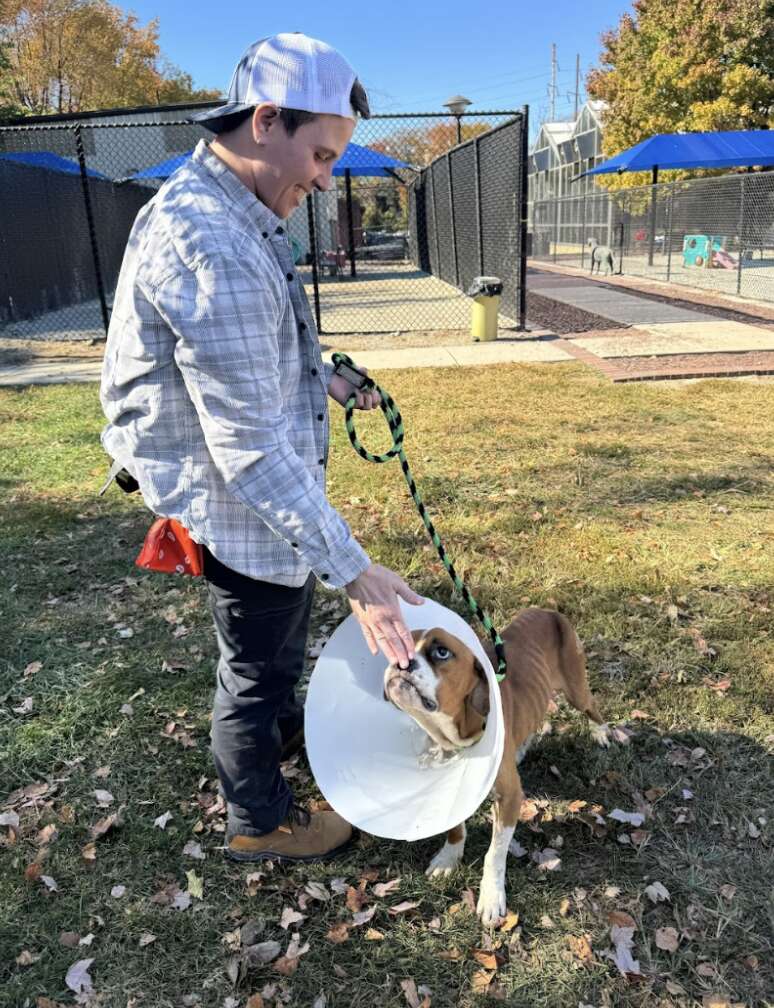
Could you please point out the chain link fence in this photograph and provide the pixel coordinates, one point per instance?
(716, 233)
(70, 191)
(467, 215)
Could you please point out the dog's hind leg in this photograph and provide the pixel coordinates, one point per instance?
(508, 798)
(450, 855)
(574, 682)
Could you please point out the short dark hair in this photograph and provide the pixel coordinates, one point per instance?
(291, 119)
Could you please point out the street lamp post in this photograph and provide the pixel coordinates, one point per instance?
(457, 105)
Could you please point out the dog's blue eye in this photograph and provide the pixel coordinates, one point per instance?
(441, 652)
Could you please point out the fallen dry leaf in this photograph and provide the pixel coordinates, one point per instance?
(162, 820)
(382, 889)
(363, 917)
(9, 819)
(356, 898)
(667, 939)
(410, 993)
(118, 891)
(317, 891)
(69, 939)
(194, 850)
(632, 818)
(49, 883)
(104, 797)
(728, 891)
(547, 860)
(487, 959)
(103, 826)
(78, 978)
(290, 916)
(26, 958)
(620, 918)
(89, 852)
(286, 966)
(146, 938)
(195, 884)
(263, 952)
(622, 939)
(480, 981)
(33, 668)
(373, 935)
(338, 933)
(400, 908)
(657, 893)
(254, 1001)
(510, 922)
(580, 946)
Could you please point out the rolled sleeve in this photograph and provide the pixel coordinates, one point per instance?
(226, 321)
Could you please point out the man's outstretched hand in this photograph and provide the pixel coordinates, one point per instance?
(373, 596)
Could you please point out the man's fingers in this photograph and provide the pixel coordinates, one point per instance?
(369, 639)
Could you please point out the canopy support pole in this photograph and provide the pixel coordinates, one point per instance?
(350, 223)
(652, 228)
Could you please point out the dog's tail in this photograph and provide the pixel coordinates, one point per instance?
(572, 670)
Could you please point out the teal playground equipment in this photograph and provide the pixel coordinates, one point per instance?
(707, 251)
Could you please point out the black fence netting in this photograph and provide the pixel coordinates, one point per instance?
(467, 214)
(418, 206)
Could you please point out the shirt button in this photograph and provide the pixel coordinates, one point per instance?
(320, 416)
(265, 234)
(323, 577)
(320, 461)
(314, 372)
(280, 230)
(302, 326)
(294, 545)
(290, 276)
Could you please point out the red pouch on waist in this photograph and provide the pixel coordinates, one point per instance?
(170, 549)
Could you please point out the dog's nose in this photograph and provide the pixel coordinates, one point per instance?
(413, 665)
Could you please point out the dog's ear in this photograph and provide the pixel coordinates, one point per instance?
(478, 699)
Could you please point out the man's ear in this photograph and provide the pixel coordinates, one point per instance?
(264, 117)
(478, 699)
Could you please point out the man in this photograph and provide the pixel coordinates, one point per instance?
(215, 393)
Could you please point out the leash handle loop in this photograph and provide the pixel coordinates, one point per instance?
(395, 423)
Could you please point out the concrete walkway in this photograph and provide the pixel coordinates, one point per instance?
(502, 351)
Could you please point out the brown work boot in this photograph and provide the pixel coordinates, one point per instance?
(304, 836)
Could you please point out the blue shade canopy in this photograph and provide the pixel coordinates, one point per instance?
(50, 162)
(162, 170)
(365, 161)
(733, 148)
(359, 160)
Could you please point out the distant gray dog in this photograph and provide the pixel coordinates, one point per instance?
(601, 254)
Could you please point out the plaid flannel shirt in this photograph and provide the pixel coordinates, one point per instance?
(214, 386)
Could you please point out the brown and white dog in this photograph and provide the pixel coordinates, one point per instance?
(445, 691)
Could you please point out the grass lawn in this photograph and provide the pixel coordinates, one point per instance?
(644, 512)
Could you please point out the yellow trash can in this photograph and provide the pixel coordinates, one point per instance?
(486, 292)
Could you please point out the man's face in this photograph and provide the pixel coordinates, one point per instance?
(299, 164)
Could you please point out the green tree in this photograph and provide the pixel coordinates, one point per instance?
(674, 65)
(78, 55)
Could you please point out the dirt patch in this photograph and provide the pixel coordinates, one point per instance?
(691, 365)
(20, 351)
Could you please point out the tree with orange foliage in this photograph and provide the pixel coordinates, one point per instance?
(78, 55)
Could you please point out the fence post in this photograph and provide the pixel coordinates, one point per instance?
(431, 172)
(652, 228)
(453, 222)
(350, 222)
(556, 226)
(313, 244)
(523, 212)
(668, 236)
(479, 221)
(741, 233)
(583, 230)
(92, 230)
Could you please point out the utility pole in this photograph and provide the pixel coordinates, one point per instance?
(577, 84)
(553, 81)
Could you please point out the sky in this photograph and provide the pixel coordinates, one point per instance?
(410, 57)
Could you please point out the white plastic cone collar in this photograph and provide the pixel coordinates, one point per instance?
(365, 753)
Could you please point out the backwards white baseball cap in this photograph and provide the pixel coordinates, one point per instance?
(292, 71)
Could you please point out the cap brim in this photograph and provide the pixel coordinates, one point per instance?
(220, 118)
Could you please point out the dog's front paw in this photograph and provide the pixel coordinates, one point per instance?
(602, 734)
(445, 861)
(491, 907)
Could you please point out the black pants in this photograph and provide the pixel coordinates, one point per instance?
(262, 630)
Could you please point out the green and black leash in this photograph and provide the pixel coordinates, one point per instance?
(395, 423)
